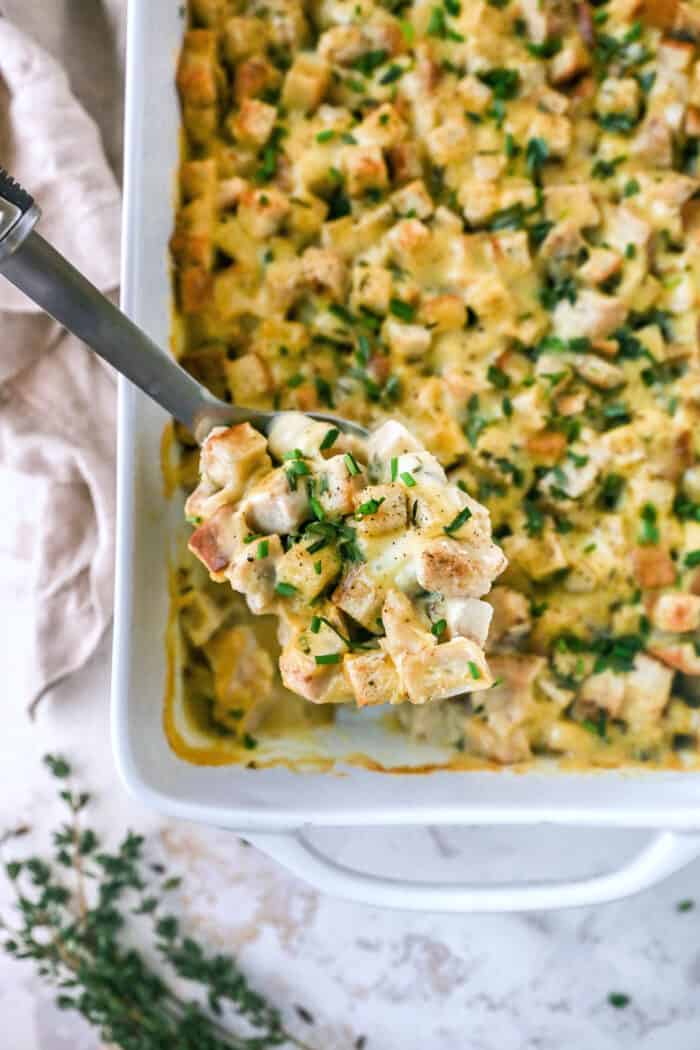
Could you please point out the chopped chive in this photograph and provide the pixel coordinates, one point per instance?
(619, 1000)
(370, 506)
(251, 537)
(294, 453)
(439, 627)
(287, 590)
(685, 905)
(249, 742)
(263, 550)
(318, 567)
(351, 464)
(408, 479)
(330, 439)
(692, 559)
(473, 670)
(457, 522)
(316, 507)
(402, 310)
(315, 624)
(295, 380)
(328, 658)
(394, 468)
(325, 136)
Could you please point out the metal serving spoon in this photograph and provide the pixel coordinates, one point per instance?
(42, 273)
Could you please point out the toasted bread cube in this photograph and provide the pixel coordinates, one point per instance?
(306, 83)
(261, 212)
(599, 373)
(309, 573)
(593, 315)
(407, 239)
(647, 691)
(443, 313)
(571, 201)
(371, 287)
(323, 682)
(405, 632)
(218, 541)
(372, 678)
(404, 161)
(381, 509)
(325, 270)
(676, 613)
(474, 93)
(468, 618)
(254, 576)
(197, 70)
(273, 506)
(381, 127)
(338, 488)
(243, 37)
(231, 454)
(681, 656)
(571, 61)
(600, 266)
(457, 666)
(254, 122)
(202, 617)
(413, 201)
(653, 567)
(457, 570)
(248, 379)
(537, 557)
(361, 598)
(408, 341)
(364, 169)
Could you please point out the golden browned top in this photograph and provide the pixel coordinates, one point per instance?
(479, 217)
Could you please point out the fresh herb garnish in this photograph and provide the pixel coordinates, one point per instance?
(457, 522)
(402, 310)
(327, 658)
(286, 590)
(330, 439)
(439, 628)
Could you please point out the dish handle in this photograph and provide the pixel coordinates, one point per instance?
(666, 853)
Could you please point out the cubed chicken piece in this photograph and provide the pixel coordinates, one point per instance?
(450, 141)
(443, 313)
(600, 266)
(624, 226)
(326, 271)
(248, 378)
(571, 201)
(654, 142)
(593, 315)
(570, 61)
(243, 37)
(293, 431)
(413, 201)
(253, 573)
(306, 83)
(389, 440)
(273, 506)
(230, 191)
(364, 169)
(371, 287)
(261, 212)
(231, 454)
(653, 567)
(509, 703)
(243, 677)
(647, 691)
(563, 243)
(338, 488)
(361, 598)
(201, 616)
(511, 615)
(407, 240)
(408, 341)
(676, 613)
(508, 750)
(218, 540)
(404, 161)
(681, 656)
(605, 691)
(405, 631)
(308, 573)
(475, 95)
(618, 95)
(382, 127)
(457, 570)
(599, 373)
(254, 122)
(373, 678)
(381, 509)
(468, 618)
(197, 69)
(553, 129)
(442, 671)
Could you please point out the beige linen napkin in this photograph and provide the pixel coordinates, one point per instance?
(57, 400)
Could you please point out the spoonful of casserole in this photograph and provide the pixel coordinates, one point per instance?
(373, 562)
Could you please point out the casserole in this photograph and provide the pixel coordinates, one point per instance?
(272, 805)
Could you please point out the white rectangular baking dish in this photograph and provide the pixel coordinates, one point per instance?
(273, 806)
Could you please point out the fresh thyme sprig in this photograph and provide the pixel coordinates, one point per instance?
(75, 909)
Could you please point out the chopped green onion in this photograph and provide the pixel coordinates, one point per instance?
(402, 310)
(473, 670)
(457, 522)
(315, 624)
(325, 136)
(330, 439)
(263, 550)
(249, 742)
(318, 567)
(251, 537)
(408, 479)
(439, 627)
(394, 468)
(328, 658)
(287, 590)
(692, 559)
(351, 464)
(370, 506)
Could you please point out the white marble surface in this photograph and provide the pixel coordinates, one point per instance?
(418, 982)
